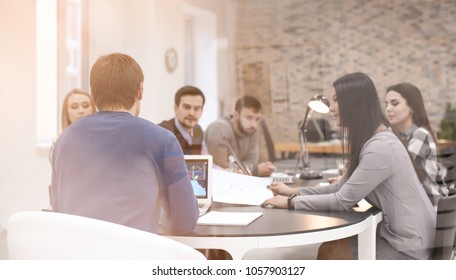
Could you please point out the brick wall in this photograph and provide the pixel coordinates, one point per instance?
(289, 50)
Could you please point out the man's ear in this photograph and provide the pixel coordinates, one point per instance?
(235, 120)
(140, 91)
(235, 115)
(175, 108)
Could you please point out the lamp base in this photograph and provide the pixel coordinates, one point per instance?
(310, 176)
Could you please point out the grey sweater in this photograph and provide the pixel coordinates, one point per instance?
(386, 179)
(246, 147)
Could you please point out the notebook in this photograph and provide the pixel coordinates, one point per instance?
(199, 170)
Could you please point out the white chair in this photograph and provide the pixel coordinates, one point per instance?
(40, 235)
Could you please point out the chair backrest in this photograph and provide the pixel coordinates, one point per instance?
(268, 141)
(54, 236)
(318, 129)
(445, 239)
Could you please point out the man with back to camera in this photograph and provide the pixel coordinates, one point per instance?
(239, 129)
(188, 108)
(117, 167)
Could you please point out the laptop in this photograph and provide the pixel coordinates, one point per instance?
(199, 170)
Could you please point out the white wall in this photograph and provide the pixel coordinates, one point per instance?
(225, 11)
(145, 29)
(24, 170)
(142, 28)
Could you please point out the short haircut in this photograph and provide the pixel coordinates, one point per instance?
(188, 90)
(115, 81)
(247, 101)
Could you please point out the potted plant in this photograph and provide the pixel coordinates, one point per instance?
(448, 124)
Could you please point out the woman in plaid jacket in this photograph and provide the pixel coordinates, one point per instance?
(407, 115)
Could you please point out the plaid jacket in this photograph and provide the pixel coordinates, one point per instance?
(423, 150)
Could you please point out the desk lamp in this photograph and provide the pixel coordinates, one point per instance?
(320, 104)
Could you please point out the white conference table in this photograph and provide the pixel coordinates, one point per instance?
(282, 228)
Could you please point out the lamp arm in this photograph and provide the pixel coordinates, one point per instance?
(304, 155)
(307, 173)
(303, 124)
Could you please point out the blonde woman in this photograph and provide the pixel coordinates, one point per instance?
(77, 104)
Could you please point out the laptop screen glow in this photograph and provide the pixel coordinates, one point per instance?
(198, 171)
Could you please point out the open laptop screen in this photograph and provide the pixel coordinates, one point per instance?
(198, 173)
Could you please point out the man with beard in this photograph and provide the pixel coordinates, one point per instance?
(240, 130)
(188, 107)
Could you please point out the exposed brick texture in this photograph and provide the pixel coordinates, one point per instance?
(289, 50)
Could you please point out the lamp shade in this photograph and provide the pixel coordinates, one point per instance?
(319, 103)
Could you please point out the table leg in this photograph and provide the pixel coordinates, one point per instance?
(367, 239)
(237, 251)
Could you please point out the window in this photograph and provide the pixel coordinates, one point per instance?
(189, 51)
(62, 60)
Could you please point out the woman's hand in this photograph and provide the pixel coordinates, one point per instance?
(333, 180)
(278, 188)
(278, 201)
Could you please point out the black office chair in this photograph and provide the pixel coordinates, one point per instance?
(268, 140)
(318, 130)
(445, 238)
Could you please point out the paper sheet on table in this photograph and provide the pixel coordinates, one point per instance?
(230, 187)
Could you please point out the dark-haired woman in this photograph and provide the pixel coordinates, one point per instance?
(379, 170)
(407, 115)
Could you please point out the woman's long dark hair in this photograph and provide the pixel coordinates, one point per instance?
(414, 99)
(360, 113)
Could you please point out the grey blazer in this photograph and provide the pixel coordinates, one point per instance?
(386, 179)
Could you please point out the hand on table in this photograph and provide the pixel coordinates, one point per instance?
(279, 188)
(266, 168)
(333, 180)
(278, 201)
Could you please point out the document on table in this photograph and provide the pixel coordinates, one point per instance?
(230, 187)
(228, 218)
